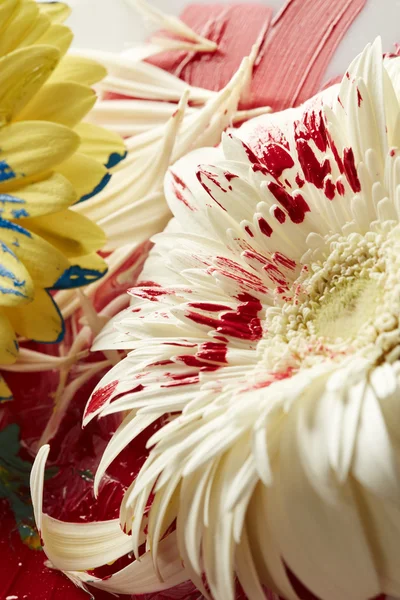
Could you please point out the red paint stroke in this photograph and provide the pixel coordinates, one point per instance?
(213, 71)
(290, 67)
(305, 57)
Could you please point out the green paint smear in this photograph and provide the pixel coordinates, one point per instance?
(14, 482)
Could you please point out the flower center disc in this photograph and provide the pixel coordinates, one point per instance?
(347, 299)
(346, 308)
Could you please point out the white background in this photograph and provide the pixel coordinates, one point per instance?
(113, 24)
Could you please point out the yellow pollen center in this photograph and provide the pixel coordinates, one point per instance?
(347, 300)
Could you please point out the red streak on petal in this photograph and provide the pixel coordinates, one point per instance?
(314, 171)
(350, 170)
(202, 177)
(100, 397)
(161, 363)
(249, 231)
(275, 275)
(279, 214)
(340, 188)
(272, 378)
(179, 187)
(209, 306)
(190, 360)
(243, 323)
(295, 205)
(335, 153)
(264, 226)
(284, 260)
(329, 189)
(251, 254)
(150, 293)
(312, 128)
(214, 352)
(180, 344)
(276, 159)
(300, 182)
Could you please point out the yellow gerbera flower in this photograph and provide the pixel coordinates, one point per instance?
(48, 162)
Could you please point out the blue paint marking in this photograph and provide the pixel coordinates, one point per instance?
(18, 213)
(10, 275)
(18, 283)
(6, 249)
(16, 345)
(8, 199)
(114, 159)
(6, 273)
(14, 227)
(12, 292)
(6, 171)
(4, 399)
(75, 276)
(99, 187)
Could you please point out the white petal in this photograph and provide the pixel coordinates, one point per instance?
(307, 500)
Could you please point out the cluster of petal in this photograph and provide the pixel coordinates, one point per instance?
(160, 127)
(133, 206)
(271, 459)
(49, 161)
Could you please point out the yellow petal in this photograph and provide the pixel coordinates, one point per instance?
(39, 198)
(104, 146)
(22, 73)
(32, 147)
(38, 29)
(40, 320)
(16, 285)
(18, 26)
(79, 70)
(59, 36)
(5, 392)
(65, 103)
(56, 11)
(7, 8)
(69, 232)
(83, 270)
(44, 263)
(8, 341)
(87, 175)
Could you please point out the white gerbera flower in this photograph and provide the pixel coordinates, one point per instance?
(266, 330)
